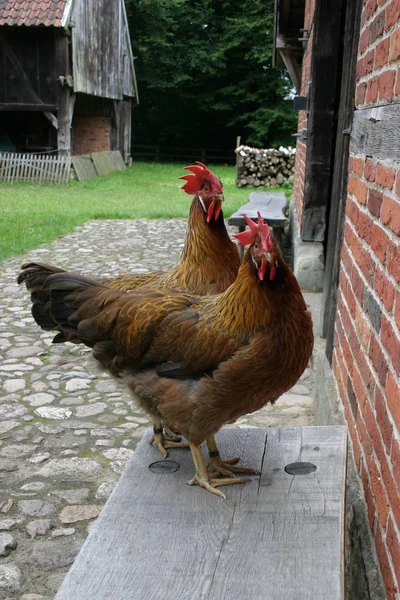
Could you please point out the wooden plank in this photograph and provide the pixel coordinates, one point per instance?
(102, 163)
(277, 537)
(375, 132)
(116, 160)
(84, 167)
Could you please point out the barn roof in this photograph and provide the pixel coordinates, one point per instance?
(52, 13)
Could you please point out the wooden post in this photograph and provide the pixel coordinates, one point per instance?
(65, 114)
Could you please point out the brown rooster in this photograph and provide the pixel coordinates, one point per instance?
(210, 260)
(228, 354)
(208, 265)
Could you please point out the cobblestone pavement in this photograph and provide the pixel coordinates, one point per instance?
(66, 428)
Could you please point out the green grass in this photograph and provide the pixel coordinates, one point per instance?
(32, 214)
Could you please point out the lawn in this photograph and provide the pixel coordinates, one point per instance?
(32, 214)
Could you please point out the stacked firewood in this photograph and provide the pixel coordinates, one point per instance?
(264, 167)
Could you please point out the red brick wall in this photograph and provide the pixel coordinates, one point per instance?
(366, 360)
(300, 165)
(91, 134)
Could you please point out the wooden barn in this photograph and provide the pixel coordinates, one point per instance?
(68, 80)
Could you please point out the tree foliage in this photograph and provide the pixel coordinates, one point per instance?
(205, 76)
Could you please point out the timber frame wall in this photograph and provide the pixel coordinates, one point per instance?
(366, 337)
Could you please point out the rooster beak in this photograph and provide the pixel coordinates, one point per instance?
(267, 259)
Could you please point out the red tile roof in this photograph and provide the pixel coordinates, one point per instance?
(32, 12)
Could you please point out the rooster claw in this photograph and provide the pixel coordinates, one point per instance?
(162, 443)
(227, 467)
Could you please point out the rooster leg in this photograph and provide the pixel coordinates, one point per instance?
(202, 477)
(223, 467)
(161, 442)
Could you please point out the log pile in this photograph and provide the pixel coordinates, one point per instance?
(264, 167)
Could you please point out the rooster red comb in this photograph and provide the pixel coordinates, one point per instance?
(195, 180)
(260, 229)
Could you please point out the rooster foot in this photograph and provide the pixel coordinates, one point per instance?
(227, 467)
(159, 440)
(172, 435)
(211, 484)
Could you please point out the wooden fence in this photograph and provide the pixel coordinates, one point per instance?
(186, 155)
(34, 167)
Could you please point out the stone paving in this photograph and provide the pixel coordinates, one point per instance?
(66, 428)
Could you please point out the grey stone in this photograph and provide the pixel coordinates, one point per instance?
(53, 412)
(71, 469)
(14, 385)
(17, 451)
(40, 399)
(308, 258)
(106, 386)
(39, 458)
(89, 410)
(54, 554)
(76, 384)
(105, 489)
(123, 454)
(74, 496)
(7, 543)
(39, 527)
(8, 524)
(84, 512)
(54, 582)
(6, 506)
(11, 411)
(35, 508)
(23, 352)
(10, 578)
(52, 429)
(34, 486)
(62, 532)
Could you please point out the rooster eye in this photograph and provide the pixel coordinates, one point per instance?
(206, 189)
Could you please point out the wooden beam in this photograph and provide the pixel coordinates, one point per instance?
(292, 66)
(65, 114)
(375, 132)
(323, 109)
(28, 107)
(52, 118)
(340, 174)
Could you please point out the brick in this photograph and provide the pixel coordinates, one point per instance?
(397, 87)
(386, 84)
(378, 360)
(392, 14)
(387, 574)
(384, 288)
(370, 8)
(359, 389)
(360, 93)
(382, 53)
(377, 27)
(379, 242)
(398, 183)
(357, 166)
(357, 285)
(370, 167)
(378, 491)
(358, 189)
(383, 420)
(397, 310)
(394, 53)
(352, 211)
(372, 309)
(390, 214)
(393, 544)
(369, 61)
(352, 397)
(364, 39)
(393, 260)
(391, 489)
(372, 90)
(375, 199)
(395, 456)
(392, 391)
(363, 327)
(385, 176)
(360, 69)
(390, 342)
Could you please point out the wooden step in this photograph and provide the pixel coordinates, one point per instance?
(278, 537)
